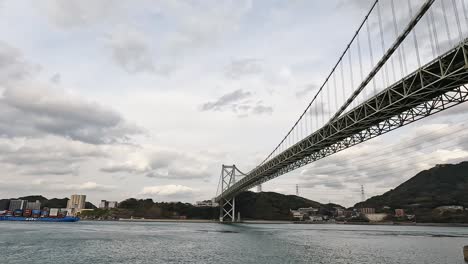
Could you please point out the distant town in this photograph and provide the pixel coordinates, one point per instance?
(146, 209)
(421, 199)
(76, 205)
(19, 207)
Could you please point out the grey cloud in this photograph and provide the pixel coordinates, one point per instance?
(360, 4)
(120, 168)
(457, 110)
(131, 50)
(325, 183)
(191, 24)
(261, 109)
(73, 14)
(238, 102)
(56, 78)
(13, 67)
(180, 173)
(200, 23)
(226, 100)
(46, 156)
(312, 178)
(382, 164)
(245, 67)
(41, 170)
(31, 111)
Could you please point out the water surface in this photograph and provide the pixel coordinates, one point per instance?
(123, 242)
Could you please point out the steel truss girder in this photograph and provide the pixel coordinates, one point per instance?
(435, 87)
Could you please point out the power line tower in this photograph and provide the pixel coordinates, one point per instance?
(363, 194)
(259, 188)
(297, 189)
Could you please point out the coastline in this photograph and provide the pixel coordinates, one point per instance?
(166, 220)
(254, 222)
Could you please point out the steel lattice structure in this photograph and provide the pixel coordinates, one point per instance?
(434, 87)
(228, 204)
(437, 86)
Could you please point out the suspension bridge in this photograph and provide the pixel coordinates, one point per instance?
(406, 61)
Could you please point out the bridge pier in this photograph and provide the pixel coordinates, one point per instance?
(227, 205)
(227, 210)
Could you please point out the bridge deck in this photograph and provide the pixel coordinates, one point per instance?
(434, 87)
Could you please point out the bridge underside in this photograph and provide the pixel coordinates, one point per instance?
(434, 87)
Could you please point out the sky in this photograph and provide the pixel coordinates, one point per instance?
(147, 99)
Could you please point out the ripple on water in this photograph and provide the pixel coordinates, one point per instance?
(117, 242)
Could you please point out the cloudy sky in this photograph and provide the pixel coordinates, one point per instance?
(118, 99)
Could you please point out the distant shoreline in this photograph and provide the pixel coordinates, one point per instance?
(283, 222)
(166, 220)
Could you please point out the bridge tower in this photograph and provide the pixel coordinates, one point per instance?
(227, 206)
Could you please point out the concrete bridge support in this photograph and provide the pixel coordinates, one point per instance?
(227, 205)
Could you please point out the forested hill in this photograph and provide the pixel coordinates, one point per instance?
(442, 185)
(273, 206)
(261, 206)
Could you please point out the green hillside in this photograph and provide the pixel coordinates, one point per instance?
(439, 186)
(273, 206)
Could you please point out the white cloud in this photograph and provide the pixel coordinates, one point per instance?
(168, 190)
(89, 186)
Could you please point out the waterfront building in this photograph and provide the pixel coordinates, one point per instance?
(308, 210)
(399, 212)
(296, 214)
(367, 210)
(33, 205)
(17, 204)
(316, 218)
(207, 203)
(376, 217)
(108, 204)
(303, 213)
(76, 203)
(339, 212)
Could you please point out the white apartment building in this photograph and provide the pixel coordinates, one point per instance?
(76, 203)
